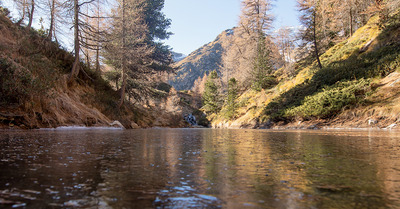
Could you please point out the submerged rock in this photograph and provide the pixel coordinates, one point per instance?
(391, 126)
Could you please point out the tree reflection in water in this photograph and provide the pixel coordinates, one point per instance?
(199, 168)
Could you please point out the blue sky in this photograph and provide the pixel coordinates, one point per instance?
(197, 22)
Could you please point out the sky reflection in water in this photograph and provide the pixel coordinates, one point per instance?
(199, 168)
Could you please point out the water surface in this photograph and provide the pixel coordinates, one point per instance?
(199, 168)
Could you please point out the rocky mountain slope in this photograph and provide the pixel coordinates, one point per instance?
(205, 59)
(178, 56)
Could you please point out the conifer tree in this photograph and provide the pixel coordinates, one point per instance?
(262, 66)
(255, 21)
(158, 24)
(311, 21)
(127, 49)
(211, 99)
(230, 103)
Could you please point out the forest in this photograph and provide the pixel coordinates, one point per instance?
(119, 67)
(326, 71)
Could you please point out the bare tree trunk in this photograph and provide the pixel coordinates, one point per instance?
(97, 60)
(87, 59)
(123, 86)
(351, 22)
(315, 40)
(23, 12)
(31, 15)
(52, 15)
(75, 67)
(98, 41)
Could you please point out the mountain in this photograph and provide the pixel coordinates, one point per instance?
(205, 59)
(177, 56)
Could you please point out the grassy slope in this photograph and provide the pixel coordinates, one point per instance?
(33, 89)
(353, 86)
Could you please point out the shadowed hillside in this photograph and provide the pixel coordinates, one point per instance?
(34, 91)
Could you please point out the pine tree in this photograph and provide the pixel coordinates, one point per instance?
(230, 103)
(127, 49)
(262, 66)
(157, 25)
(211, 99)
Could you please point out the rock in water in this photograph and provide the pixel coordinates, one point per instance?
(191, 119)
(117, 124)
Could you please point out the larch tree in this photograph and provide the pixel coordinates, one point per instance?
(27, 8)
(31, 11)
(255, 21)
(85, 34)
(127, 49)
(76, 21)
(285, 41)
(311, 20)
(94, 33)
(349, 15)
(53, 7)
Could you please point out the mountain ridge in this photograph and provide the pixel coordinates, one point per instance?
(201, 61)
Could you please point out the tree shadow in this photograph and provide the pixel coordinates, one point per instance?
(380, 60)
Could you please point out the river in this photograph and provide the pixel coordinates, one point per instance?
(199, 168)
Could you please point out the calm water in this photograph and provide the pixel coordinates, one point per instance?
(199, 168)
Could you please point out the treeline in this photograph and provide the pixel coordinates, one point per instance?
(125, 34)
(257, 50)
(327, 22)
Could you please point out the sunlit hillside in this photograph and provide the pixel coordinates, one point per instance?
(357, 87)
(200, 62)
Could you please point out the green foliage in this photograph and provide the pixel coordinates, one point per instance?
(201, 118)
(14, 85)
(345, 62)
(262, 67)
(230, 103)
(379, 62)
(164, 87)
(113, 76)
(331, 100)
(18, 85)
(213, 74)
(158, 24)
(265, 82)
(4, 11)
(211, 100)
(41, 31)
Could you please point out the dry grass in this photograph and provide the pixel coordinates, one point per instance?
(371, 42)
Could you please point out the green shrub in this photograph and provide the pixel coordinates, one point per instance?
(164, 87)
(331, 100)
(230, 103)
(266, 82)
(4, 11)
